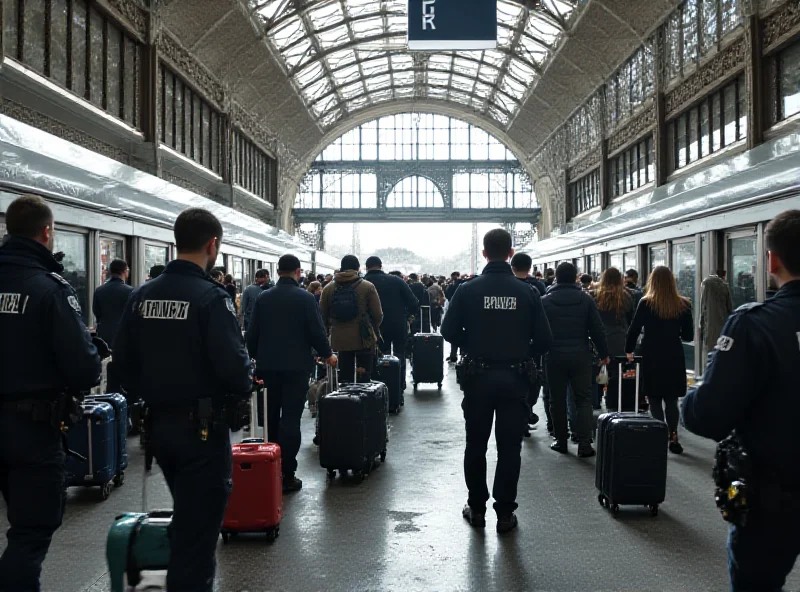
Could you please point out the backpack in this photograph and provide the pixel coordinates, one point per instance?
(344, 303)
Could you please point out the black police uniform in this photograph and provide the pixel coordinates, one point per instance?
(751, 385)
(496, 319)
(108, 305)
(45, 350)
(178, 344)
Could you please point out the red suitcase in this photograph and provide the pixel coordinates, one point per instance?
(256, 500)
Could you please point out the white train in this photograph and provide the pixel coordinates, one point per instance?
(705, 220)
(106, 210)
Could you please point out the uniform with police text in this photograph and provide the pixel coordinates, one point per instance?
(499, 322)
(751, 386)
(46, 352)
(180, 348)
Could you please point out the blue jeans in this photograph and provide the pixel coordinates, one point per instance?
(763, 553)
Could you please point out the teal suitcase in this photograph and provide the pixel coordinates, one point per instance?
(136, 543)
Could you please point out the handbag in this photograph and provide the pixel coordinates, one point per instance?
(602, 378)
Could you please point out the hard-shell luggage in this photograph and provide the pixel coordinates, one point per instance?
(256, 500)
(120, 405)
(352, 426)
(428, 361)
(95, 438)
(389, 371)
(137, 548)
(631, 456)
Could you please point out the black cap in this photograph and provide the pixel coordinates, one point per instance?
(288, 264)
(350, 263)
(374, 262)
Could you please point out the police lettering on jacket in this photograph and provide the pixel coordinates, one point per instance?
(12, 303)
(499, 303)
(171, 310)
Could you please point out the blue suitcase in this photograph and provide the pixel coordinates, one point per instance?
(95, 439)
(120, 405)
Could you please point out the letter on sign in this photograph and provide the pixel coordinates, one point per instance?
(428, 14)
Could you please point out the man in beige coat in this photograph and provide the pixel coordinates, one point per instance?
(715, 308)
(351, 311)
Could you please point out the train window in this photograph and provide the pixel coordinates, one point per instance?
(630, 259)
(110, 248)
(237, 270)
(684, 266)
(742, 262)
(617, 259)
(785, 79)
(75, 262)
(658, 256)
(2, 227)
(154, 255)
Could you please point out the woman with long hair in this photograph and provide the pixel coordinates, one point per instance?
(616, 311)
(315, 288)
(666, 318)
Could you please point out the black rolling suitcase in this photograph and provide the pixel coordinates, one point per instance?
(631, 456)
(388, 371)
(428, 354)
(352, 426)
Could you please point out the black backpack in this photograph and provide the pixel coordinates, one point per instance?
(344, 303)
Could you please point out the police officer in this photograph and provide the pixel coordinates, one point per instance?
(180, 348)
(46, 351)
(750, 385)
(108, 305)
(497, 320)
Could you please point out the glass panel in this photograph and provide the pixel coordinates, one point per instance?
(168, 137)
(682, 148)
(129, 73)
(694, 144)
(180, 142)
(78, 57)
(187, 122)
(206, 138)
(113, 71)
(196, 106)
(154, 255)
(730, 115)
(716, 117)
(10, 25)
(33, 35)
(741, 93)
(58, 41)
(790, 81)
(74, 247)
(709, 28)
(96, 57)
(705, 134)
(237, 270)
(690, 32)
(616, 259)
(110, 249)
(631, 259)
(684, 266)
(742, 262)
(658, 256)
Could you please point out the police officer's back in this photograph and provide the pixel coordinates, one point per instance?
(110, 299)
(45, 350)
(180, 348)
(751, 385)
(496, 319)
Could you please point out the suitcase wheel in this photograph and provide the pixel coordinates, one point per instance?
(440, 386)
(615, 509)
(225, 537)
(653, 510)
(119, 479)
(105, 490)
(602, 500)
(272, 534)
(331, 474)
(383, 456)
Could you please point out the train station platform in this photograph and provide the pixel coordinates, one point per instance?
(401, 529)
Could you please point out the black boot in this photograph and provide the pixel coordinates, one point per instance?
(506, 522)
(560, 446)
(291, 483)
(533, 419)
(474, 517)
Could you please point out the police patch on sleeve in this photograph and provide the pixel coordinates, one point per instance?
(73, 302)
(724, 343)
(229, 304)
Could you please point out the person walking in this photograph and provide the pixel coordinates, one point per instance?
(666, 318)
(352, 313)
(436, 297)
(286, 325)
(251, 294)
(574, 320)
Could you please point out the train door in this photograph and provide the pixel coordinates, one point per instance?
(656, 255)
(152, 253)
(110, 247)
(74, 244)
(742, 264)
(685, 269)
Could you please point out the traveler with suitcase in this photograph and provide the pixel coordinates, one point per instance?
(285, 327)
(421, 294)
(352, 313)
(574, 320)
(500, 323)
(428, 353)
(180, 348)
(397, 302)
(750, 388)
(666, 318)
(47, 353)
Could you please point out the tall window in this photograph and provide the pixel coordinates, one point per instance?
(719, 120)
(632, 168)
(79, 48)
(254, 169)
(784, 71)
(492, 190)
(415, 136)
(584, 194)
(631, 86)
(320, 189)
(189, 125)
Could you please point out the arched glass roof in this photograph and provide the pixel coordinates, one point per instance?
(345, 55)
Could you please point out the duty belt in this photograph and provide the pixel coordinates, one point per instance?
(38, 409)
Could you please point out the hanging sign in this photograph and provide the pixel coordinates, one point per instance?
(450, 25)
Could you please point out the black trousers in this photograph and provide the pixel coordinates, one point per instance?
(575, 370)
(32, 482)
(364, 358)
(393, 343)
(198, 475)
(502, 395)
(286, 399)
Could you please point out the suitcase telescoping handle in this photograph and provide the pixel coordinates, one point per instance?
(423, 324)
(333, 377)
(254, 413)
(622, 361)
